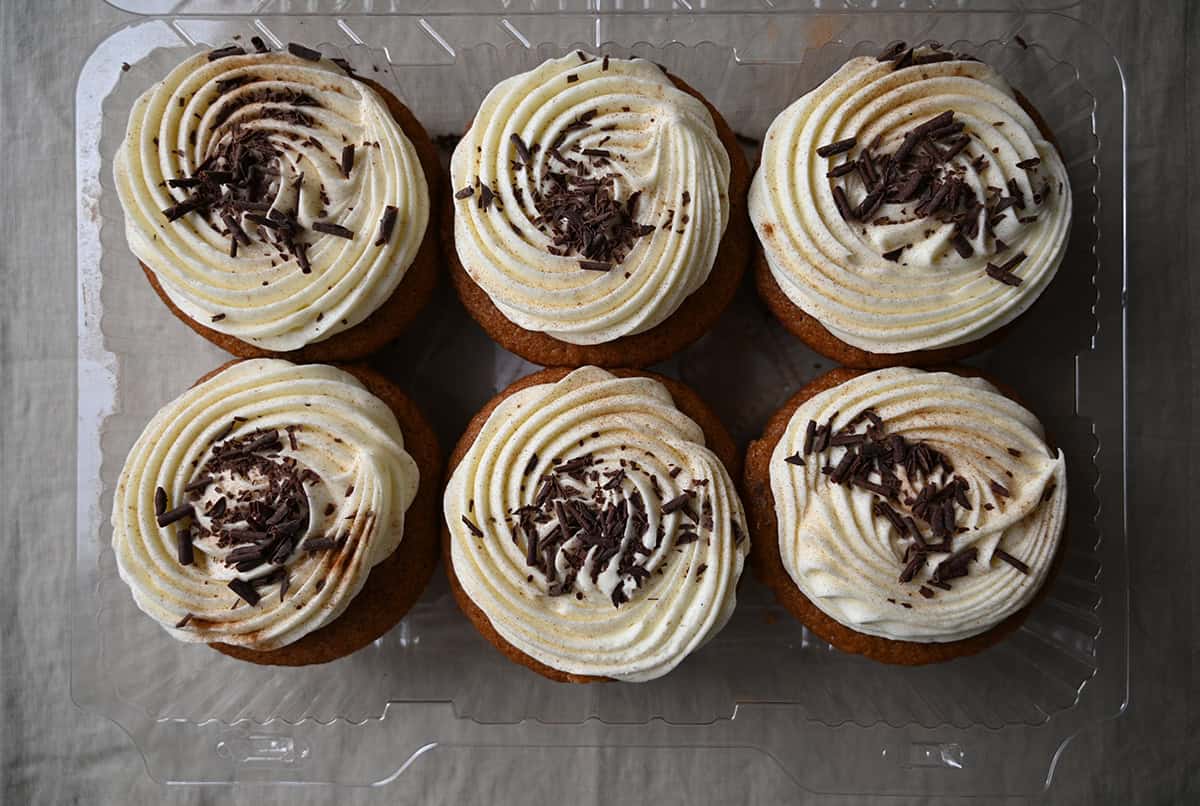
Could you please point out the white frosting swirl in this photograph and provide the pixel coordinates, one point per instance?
(680, 593)
(308, 112)
(345, 435)
(662, 144)
(847, 560)
(930, 297)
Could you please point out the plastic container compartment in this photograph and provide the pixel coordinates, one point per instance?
(991, 724)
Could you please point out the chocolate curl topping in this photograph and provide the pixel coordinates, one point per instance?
(873, 460)
(579, 511)
(921, 170)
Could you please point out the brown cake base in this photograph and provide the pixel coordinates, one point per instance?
(810, 330)
(687, 401)
(768, 564)
(692, 320)
(396, 583)
(410, 296)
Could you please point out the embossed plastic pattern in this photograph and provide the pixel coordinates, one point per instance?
(994, 723)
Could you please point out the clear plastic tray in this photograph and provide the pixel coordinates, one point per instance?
(991, 724)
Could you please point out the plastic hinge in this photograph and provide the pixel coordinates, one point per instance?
(262, 749)
(938, 755)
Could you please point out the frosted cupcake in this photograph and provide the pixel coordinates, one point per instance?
(279, 204)
(285, 514)
(908, 209)
(905, 515)
(598, 214)
(592, 530)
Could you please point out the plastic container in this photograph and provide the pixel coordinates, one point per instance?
(992, 724)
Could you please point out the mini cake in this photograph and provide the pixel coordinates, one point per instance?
(905, 515)
(599, 213)
(590, 533)
(908, 208)
(285, 514)
(279, 204)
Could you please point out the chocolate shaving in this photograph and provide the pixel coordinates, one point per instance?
(486, 196)
(677, 503)
(955, 565)
(1013, 262)
(347, 162)
(1011, 560)
(228, 50)
(522, 149)
(303, 52)
(578, 463)
(794, 459)
(475, 530)
(911, 568)
(962, 245)
(314, 544)
(1002, 274)
(198, 485)
(869, 204)
(531, 464)
(235, 229)
(809, 433)
(386, 224)
(615, 481)
(465, 193)
(332, 229)
(177, 211)
(259, 45)
(178, 513)
(245, 591)
(824, 432)
(841, 170)
(1014, 190)
(838, 147)
(184, 549)
(843, 205)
